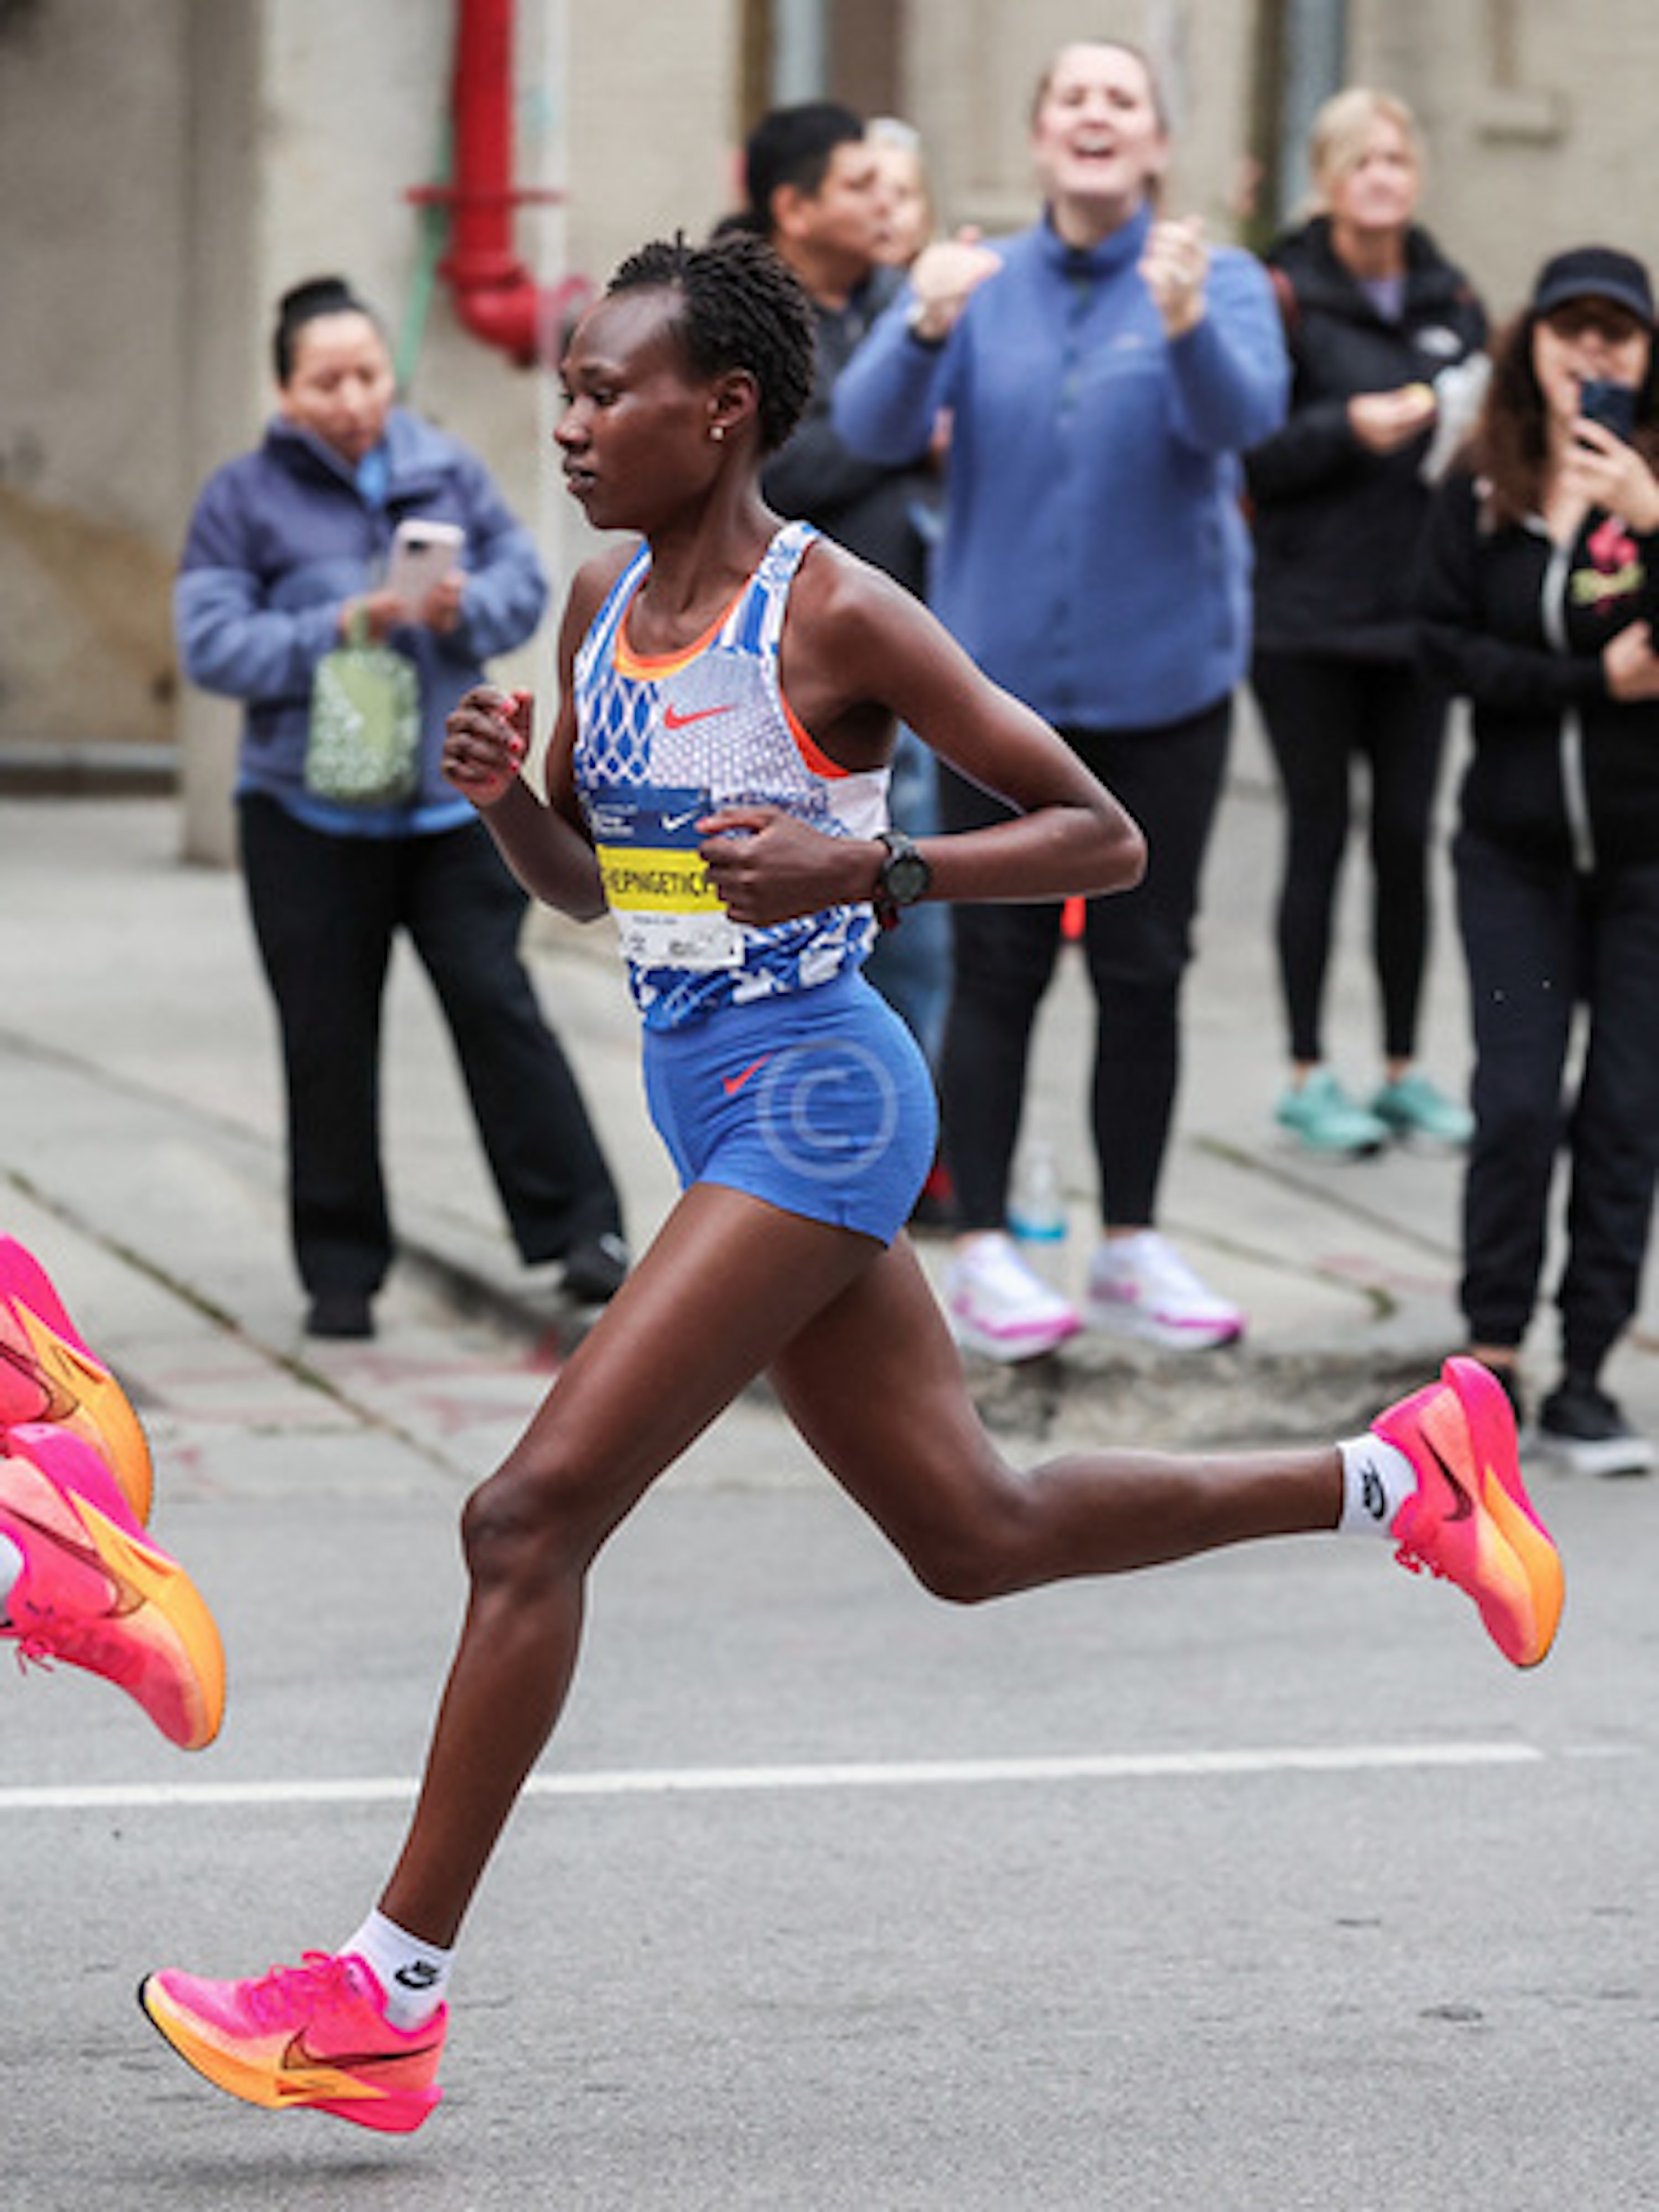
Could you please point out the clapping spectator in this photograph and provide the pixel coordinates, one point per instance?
(1102, 373)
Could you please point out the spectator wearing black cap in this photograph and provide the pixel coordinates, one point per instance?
(1541, 573)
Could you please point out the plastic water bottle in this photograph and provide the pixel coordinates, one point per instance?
(1036, 1205)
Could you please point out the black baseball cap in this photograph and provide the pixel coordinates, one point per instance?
(1594, 272)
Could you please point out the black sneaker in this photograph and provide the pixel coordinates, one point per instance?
(1586, 1431)
(341, 1314)
(596, 1269)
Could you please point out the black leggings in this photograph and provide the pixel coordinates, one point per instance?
(1550, 954)
(1322, 716)
(1137, 944)
(326, 911)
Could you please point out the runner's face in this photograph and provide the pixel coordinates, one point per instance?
(634, 439)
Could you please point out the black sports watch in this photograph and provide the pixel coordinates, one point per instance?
(904, 878)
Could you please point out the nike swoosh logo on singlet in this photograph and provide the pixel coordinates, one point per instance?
(672, 719)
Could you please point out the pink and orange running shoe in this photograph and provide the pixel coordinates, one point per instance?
(313, 2036)
(96, 1592)
(48, 1373)
(1470, 1519)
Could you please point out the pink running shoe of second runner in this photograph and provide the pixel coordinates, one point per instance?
(95, 1591)
(1470, 1519)
(49, 1373)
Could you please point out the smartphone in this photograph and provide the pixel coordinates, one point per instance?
(1612, 405)
(422, 553)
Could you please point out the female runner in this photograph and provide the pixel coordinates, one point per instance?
(729, 694)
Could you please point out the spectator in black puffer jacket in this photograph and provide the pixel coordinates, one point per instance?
(1384, 337)
(1539, 592)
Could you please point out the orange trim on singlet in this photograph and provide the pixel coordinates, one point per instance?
(808, 746)
(648, 666)
(668, 663)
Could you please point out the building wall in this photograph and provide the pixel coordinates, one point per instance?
(166, 166)
(1536, 118)
(91, 415)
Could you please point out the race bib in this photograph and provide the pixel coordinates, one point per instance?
(667, 912)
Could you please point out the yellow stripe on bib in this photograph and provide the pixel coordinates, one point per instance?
(643, 880)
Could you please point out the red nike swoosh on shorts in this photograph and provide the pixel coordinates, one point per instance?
(672, 719)
(732, 1084)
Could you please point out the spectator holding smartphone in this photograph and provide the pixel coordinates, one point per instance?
(1538, 602)
(284, 561)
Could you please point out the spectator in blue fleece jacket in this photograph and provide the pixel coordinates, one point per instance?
(285, 554)
(1102, 372)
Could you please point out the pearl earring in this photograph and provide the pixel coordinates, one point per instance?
(717, 431)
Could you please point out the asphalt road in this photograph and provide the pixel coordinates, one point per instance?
(1259, 1883)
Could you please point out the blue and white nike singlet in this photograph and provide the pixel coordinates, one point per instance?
(660, 743)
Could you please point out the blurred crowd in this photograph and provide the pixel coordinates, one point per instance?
(1133, 468)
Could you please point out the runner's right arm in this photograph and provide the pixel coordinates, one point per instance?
(546, 846)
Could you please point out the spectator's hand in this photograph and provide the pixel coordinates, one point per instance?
(486, 738)
(440, 608)
(1174, 267)
(1629, 663)
(1384, 421)
(381, 611)
(1601, 468)
(943, 278)
(770, 867)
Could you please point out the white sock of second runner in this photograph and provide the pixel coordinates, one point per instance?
(1377, 1478)
(413, 1974)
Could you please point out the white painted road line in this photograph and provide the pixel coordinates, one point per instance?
(689, 1781)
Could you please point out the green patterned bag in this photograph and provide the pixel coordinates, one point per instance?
(364, 748)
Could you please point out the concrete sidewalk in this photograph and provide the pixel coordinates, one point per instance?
(141, 1146)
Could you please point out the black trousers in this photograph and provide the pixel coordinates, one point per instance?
(1322, 716)
(325, 912)
(1550, 952)
(1137, 944)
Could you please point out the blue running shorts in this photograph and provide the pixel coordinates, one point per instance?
(819, 1102)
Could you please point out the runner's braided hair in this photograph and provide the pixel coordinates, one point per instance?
(741, 307)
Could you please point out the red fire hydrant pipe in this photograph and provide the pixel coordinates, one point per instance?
(495, 296)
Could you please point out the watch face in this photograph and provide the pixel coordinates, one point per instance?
(906, 876)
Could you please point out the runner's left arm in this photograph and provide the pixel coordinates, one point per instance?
(860, 654)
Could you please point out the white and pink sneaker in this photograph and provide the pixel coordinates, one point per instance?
(1140, 1287)
(998, 1306)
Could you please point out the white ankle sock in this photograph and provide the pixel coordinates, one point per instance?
(413, 1974)
(1377, 1478)
(11, 1565)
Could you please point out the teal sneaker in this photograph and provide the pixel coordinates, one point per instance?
(1416, 1111)
(1323, 1117)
